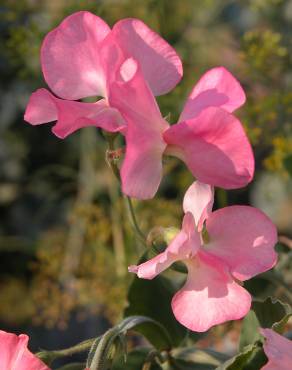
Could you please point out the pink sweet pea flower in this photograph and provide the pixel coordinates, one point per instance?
(82, 56)
(278, 349)
(14, 354)
(208, 138)
(240, 245)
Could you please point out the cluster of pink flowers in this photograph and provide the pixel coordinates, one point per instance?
(239, 246)
(127, 66)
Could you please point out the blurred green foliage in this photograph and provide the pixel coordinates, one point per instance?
(65, 240)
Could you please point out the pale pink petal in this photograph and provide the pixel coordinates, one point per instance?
(113, 59)
(210, 296)
(278, 350)
(41, 108)
(216, 88)
(15, 355)
(11, 347)
(128, 69)
(71, 115)
(185, 244)
(70, 57)
(161, 66)
(31, 362)
(194, 239)
(198, 200)
(150, 269)
(141, 170)
(244, 238)
(215, 148)
(74, 115)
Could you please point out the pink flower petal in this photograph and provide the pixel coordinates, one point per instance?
(70, 57)
(244, 238)
(150, 269)
(41, 108)
(194, 237)
(44, 107)
(198, 200)
(141, 171)
(161, 66)
(215, 148)
(128, 69)
(210, 296)
(186, 243)
(112, 59)
(216, 88)
(15, 355)
(278, 350)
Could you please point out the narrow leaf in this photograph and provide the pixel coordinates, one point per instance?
(251, 358)
(135, 361)
(100, 356)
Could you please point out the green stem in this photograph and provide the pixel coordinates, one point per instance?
(110, 140)
(139, 232)
(81, 347)
(173, 363)
(222, 198)
(99, 358)
(115, 169)
(50, 356)
(150, 359)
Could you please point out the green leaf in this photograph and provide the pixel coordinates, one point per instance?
(288, 164)
(193, 358)
(270, 313)
(135, 360)
(133, 321)
(152, 298)
(102, 351)
(46, 357)
(49, 356)
(93, 350)
(251, 358)
(277, 279)
(280, 325)
(256, 361)
(206, 356)
(249, 330)
(138, 321)
(75, 366)
(179, 364)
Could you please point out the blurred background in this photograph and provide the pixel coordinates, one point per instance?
(65, 240)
